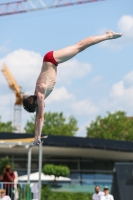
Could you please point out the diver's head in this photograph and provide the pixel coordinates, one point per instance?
(30, 103)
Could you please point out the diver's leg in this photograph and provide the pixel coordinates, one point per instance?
(67, 53)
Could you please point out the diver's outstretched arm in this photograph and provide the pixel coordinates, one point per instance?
(39, 119)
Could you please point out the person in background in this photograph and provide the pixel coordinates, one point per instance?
(97, 195)
(8, 179)
(106, 195)
(3, 195)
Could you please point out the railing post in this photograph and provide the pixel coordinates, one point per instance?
(29, 163)
(40, 169)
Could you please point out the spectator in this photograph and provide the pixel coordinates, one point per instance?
(106, 195)
(8, 176)
(97, 194)
(3, 195)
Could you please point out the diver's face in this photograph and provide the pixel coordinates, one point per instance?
(32, 100)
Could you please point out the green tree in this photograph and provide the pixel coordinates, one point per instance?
(54, 124)
(56, 170)
(116, 126)
(6, 126)
(48, 194)
(3, 162)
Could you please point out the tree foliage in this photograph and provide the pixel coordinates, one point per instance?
(56, 170)
(48, 194)
(54, 124)
(6, 126)
(3, 162)
(116, 126)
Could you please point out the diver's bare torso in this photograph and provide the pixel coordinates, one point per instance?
(47, 79)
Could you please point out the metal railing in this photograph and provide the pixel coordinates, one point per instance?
(21, 190)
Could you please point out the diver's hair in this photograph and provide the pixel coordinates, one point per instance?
(27, 106)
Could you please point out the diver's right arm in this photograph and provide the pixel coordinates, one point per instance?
(39, 115)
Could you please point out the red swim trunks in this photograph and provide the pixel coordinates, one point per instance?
(50, 58)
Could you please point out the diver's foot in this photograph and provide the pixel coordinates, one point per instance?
(113, 35)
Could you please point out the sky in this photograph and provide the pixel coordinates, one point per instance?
(94, 82)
